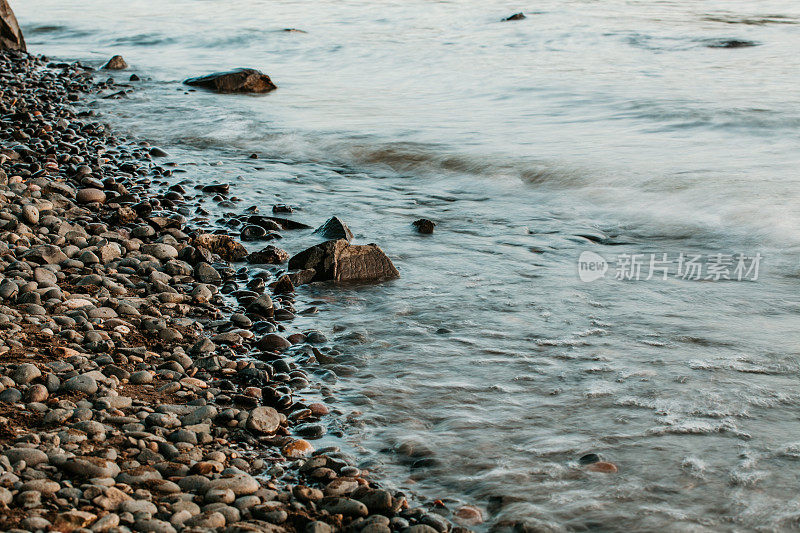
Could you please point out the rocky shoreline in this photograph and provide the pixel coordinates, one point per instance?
(150, 378)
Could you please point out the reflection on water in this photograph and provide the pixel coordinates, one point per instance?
(489, 368)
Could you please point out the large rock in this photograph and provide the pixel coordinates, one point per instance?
(243, 80)
(344, 262)
(10, 34)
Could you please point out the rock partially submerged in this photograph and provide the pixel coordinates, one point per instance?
(515, 16)
(116, 63)
(341, 261)
(243, 80)
(10, 35)
(731, 43)
(333, 229)
(424, 225)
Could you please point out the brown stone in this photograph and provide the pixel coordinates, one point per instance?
(284, 285)
(270, 255)
(318, 409)
(297, 449)
(341, 261)
(424, 225)
(602, 466)
(90, 195)
(73, 520)
(222, 245)
(243, 80)
(10, 35)
(468, 515)
(116, 63)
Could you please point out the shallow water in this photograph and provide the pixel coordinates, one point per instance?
(610, 126)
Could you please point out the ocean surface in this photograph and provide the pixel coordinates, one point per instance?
(626, 129)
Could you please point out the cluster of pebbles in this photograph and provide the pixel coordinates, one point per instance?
(150, 380)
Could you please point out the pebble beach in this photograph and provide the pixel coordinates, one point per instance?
(150, 376)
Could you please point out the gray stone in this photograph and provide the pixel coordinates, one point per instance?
(264, 420)
(25, 373)
(31, 456)
(82, 383)
(161, 251)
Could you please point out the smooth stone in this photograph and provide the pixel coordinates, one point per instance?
(90, 195)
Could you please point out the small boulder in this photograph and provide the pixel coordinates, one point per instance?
(116, 63)
(271, 255)
(341, 261)
(424, 225)
(243, 80)
(222, 245)
(515, 16)
(334, 229)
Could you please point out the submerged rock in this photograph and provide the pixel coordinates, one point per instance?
(243, 80)
(424, 225)
(116, 63)
(344, 262)
(10, 35)
(515, 16)
(335, 228)
(602, 466)
(731, 43)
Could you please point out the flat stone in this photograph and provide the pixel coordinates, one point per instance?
(31, 456)
(241, 484)
(90, 467)
(264, 420)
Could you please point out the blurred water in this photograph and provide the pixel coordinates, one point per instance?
(611, 126)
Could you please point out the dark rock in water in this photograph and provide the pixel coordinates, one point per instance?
(301, 277)
(515, 16)
(271, 255)
(115, 63)
(134, 77)
(589, 458)
(732, 43)
(282, 208)
(217, 188)
(243, 80)
(253, 233)
(273, 343)
(284, 223)
(424, 225)
(284, 285)
(344, 262)
(10, 35)
(334, 229)
(158, 152)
